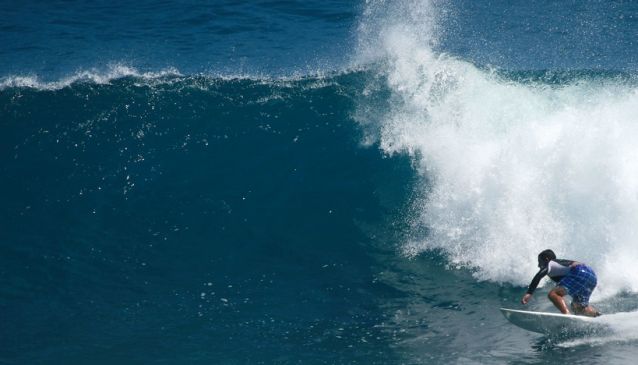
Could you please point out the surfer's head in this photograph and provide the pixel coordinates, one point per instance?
(544, 257)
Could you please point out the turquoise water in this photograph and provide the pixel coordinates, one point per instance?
(312, 182)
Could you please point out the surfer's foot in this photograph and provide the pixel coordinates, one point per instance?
(591, 312)
(587, 311)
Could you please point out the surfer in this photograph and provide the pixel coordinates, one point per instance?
(574, 278)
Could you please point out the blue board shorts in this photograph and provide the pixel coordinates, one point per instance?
(580, 283)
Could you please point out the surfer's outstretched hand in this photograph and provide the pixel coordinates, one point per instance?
(526, 298)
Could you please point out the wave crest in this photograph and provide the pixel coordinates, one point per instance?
(113, 72)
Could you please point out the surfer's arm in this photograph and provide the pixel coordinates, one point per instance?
(533, 285)
(537, 279)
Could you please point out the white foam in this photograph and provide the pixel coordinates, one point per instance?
(622, 328)
(512, 168)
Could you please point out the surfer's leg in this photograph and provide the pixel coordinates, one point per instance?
(556, 296)
(581, 291)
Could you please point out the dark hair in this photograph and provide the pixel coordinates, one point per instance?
(546, 255)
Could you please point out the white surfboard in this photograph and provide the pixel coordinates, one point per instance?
(554, 324)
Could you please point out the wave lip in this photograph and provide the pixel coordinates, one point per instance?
(113, 72)
(170, 75)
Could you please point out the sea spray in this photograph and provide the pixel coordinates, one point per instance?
(620, 328)
(511, 166)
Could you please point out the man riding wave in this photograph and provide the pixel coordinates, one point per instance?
(572, 277)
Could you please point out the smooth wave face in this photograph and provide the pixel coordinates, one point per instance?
(193, 211)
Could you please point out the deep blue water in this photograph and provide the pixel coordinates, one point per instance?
(55, 38)
(311, 182)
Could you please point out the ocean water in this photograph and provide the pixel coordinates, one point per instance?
(312, 182)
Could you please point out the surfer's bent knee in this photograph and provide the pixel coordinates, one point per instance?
(559, 290)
